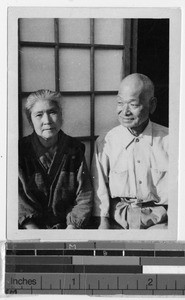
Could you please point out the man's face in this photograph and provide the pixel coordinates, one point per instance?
(46, 119)
(132, 108)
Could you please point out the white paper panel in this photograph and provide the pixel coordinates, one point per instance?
(37, 69)
(74, 70)
(108, 69)
(76, 116)
(37, 30)
(109, 31)
(105, 114)
(74, 31)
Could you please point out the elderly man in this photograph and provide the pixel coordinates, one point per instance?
(130, 165)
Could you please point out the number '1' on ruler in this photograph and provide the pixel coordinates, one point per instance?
(95, 268)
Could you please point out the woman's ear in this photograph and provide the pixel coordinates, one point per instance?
(153, 105)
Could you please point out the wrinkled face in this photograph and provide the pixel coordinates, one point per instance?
(46, 119)
(132, 108)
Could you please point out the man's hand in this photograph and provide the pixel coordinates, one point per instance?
(70, 226)
(104, 223)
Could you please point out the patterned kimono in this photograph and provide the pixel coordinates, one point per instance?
(54, 185)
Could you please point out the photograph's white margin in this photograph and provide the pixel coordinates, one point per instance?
(13, 94)
(3, 88)
(14, 13)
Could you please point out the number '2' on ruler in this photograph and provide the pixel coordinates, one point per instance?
(95, 268)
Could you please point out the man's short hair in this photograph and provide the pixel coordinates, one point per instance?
(148, 86)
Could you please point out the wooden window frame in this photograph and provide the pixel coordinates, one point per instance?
(130, 57)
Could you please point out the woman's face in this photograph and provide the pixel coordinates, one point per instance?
(46, 119)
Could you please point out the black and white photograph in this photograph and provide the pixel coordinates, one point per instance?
(93, 121)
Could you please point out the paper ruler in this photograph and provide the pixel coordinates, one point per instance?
(95, 268)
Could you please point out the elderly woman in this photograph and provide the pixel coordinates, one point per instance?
(54, 185)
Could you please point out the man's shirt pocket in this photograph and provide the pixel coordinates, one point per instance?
(119, 180)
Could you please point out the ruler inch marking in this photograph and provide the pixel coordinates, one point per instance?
(101, 274)
(95, 245)
(156, 281)
(98, 284)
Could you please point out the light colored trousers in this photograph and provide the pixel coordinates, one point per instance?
(131, 215)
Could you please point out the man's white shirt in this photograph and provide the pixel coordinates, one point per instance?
(129, 166)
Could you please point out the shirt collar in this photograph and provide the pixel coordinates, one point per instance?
(147, 135)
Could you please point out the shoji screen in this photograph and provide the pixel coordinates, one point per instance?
(84, 59)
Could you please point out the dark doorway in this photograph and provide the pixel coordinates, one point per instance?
(153, 61)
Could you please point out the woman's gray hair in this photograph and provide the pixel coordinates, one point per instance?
(43, 94)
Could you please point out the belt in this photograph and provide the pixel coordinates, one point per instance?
(131, 201)
(138, 202)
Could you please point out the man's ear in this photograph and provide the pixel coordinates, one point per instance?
(153, 105)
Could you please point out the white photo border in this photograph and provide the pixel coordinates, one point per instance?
(14, 13)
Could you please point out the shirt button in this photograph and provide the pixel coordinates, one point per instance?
(138, 161)
(140, 181)
(137, 140)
